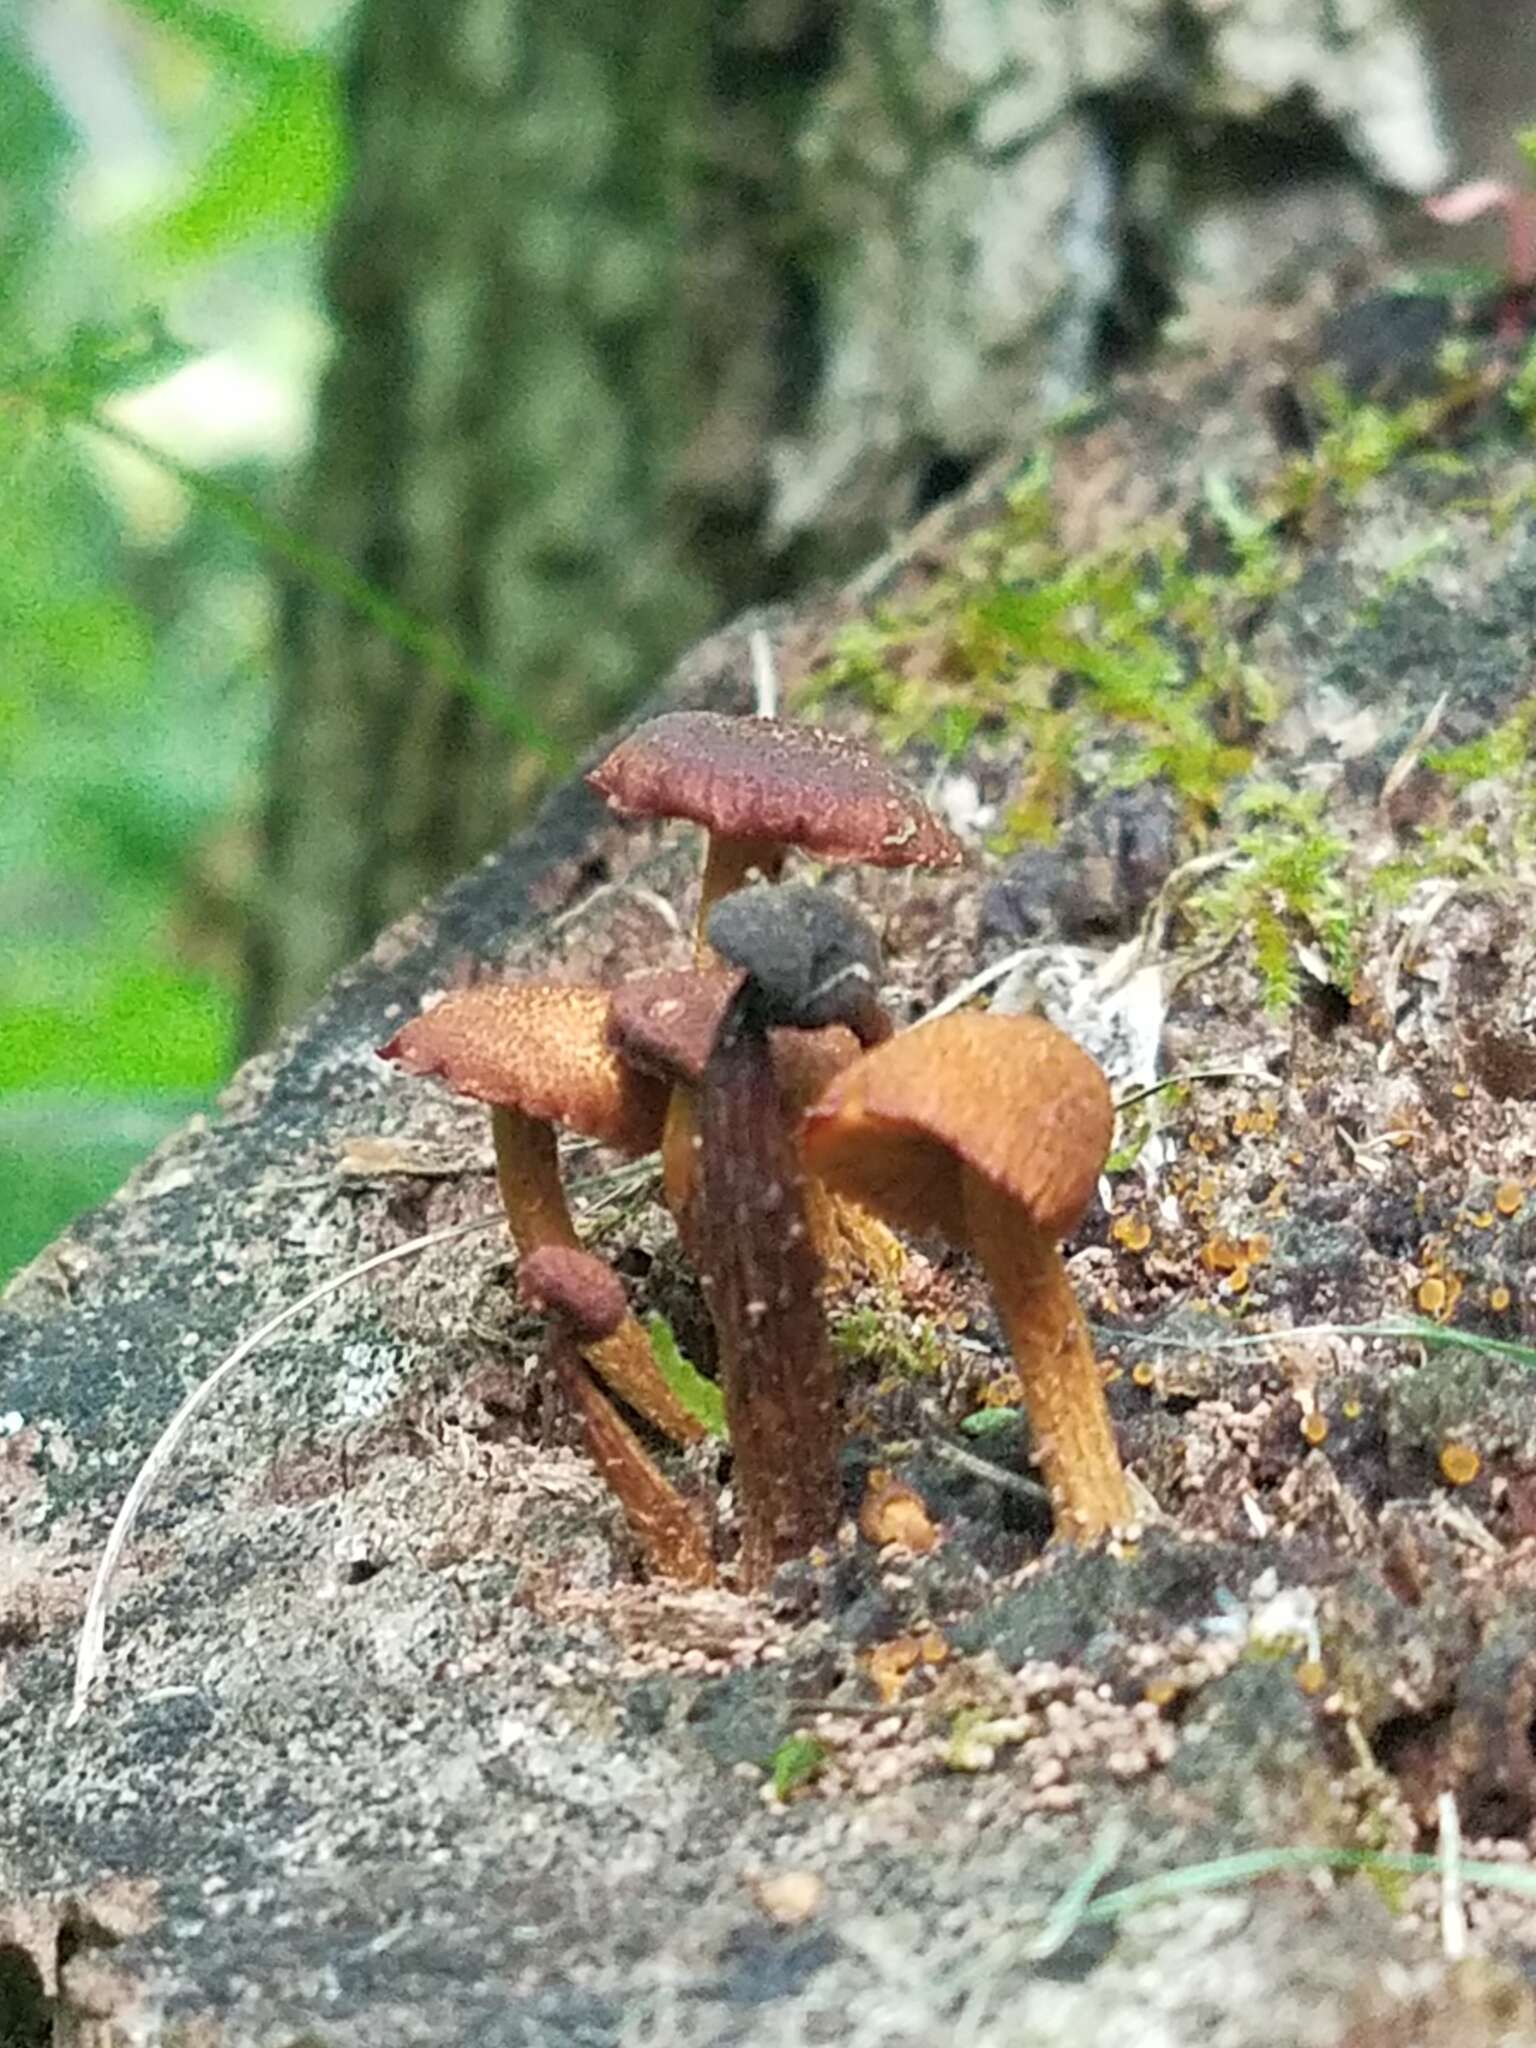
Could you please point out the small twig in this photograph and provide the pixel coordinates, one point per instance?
(1408, 759)
(863, 1711)
(1453, 1909)
(978, 983)
(651, 899)
(600, 1191)
(93, 1629)
(1264, 1079)
(765, 677)
(1412, 935)
(983, 1468)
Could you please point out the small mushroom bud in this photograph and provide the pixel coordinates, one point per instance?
(584, 1300)
(815, 968)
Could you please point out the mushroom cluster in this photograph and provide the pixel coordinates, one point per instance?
(795, 1126)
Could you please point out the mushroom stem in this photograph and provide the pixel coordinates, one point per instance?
(853, 1244)
(1063, 1393)
(671, 1534)
(679, 1156)
(528, 1177)
(762, 1279)
(727, 865)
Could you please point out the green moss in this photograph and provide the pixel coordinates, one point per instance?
(1288, 883)
(897, 1345)
(1116, 665)
(797, 1761)
(1507, 749)
(1129, 664)
(1361, 442)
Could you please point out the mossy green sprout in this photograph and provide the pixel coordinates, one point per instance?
(898, 1345)
(797, 1762)
(1480, 848)
(1158, 684)
(698, 1395)
(1288, 885)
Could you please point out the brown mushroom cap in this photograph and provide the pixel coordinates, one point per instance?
(666, 1023)
(805, 1063)
(584, 1291)
(1012, 1098)
(763, 779)
(538, 1047)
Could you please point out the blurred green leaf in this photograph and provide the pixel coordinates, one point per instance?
(278, 172)
(96, 362)
(232, 41)
(62, 1151)
(99, 640)
(152, 1028)
(34, 145)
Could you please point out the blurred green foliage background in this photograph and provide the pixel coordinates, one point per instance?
(166, 170)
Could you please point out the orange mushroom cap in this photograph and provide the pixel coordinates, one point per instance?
(538, 1047)
(763, 779)
(1011, 1098)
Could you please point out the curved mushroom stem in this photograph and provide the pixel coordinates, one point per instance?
(727, 865)
(1068, 1417)
(528, 1177)
(671, 1533)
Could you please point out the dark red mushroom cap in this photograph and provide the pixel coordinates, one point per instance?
(538, 1047)
(581, 1290)
(763, 779)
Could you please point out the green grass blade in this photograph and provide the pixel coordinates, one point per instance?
(1223, 1873)
(700, 1396)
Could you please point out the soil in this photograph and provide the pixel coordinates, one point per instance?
(395, 1743)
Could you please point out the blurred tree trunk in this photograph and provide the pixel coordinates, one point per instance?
(645, 311)
(495, 434)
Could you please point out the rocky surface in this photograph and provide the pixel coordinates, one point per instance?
(394, 1745)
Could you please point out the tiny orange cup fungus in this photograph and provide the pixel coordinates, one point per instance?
(537, 1054)
(992, 1131)
(584, 1301)
(893, 1512)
